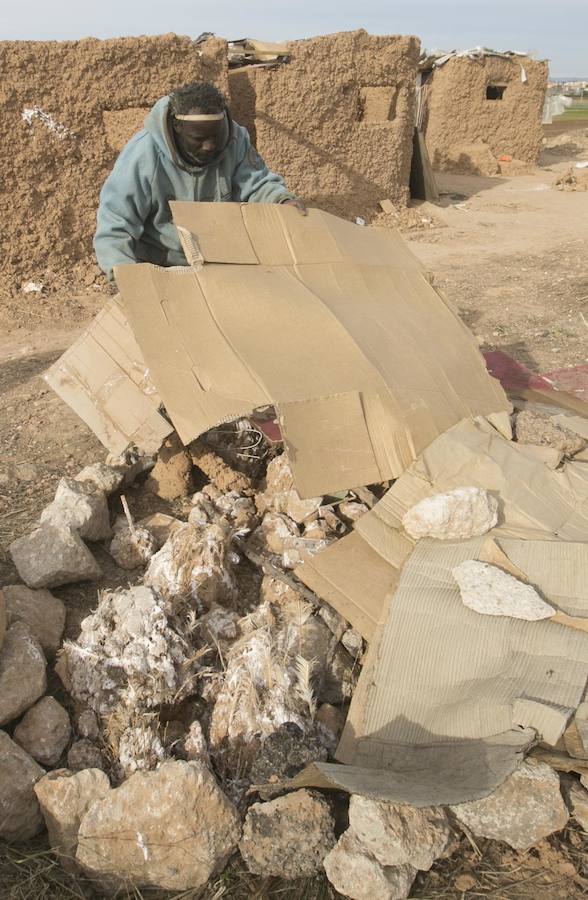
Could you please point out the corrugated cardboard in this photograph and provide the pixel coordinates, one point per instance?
(103, 377)
(334, 324)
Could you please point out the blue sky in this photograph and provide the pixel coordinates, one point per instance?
(554, 30)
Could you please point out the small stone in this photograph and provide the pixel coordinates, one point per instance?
(79, 506)
(195, 744)
(161, 526)
(332, 719)
(131, 549)
(488, 590)
(22, 672)
(279, 483)
(65, 797)
(302, 510)
(42, 612)
(340, 677)
(219, 625)
(171, 829)
(52, 556)
(171, 477)
(104, 478)
(83, 754)
(353, 642)
(397, 835)
(535, 427)
(3, 617)
(352, 510)
(285, 752)
(526, 808)
(336, 624)
(463, 513)
(288, 837)
(44, 731)
(20, 816)
(87, 725)
(578, 802)
(355, 874)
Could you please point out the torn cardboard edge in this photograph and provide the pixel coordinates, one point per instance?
(104, 379)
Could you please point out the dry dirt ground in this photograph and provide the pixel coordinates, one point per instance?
(511, 253)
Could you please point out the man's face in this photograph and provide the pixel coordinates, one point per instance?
(199, 142)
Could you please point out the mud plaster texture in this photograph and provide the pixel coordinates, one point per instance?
(87, 99)
(458, 113)
(337, 120)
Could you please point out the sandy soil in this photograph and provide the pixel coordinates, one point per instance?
(510, 253)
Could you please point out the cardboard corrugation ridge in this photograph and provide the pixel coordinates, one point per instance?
(328, 321)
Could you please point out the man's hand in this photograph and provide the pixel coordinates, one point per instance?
(299, 204)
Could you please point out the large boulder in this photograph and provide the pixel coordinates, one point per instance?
(65, 797)
(44, 731)
(20, 816)
(526, 808)
(53, 555)
(43, 613)
(356, 874)
(80, 506)
(172, 829)
(288, 837)
(23, 676)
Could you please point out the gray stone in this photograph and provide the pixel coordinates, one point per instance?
(171, 828)
(87, 724)
(353, 642)
(526, 808)
(80, 506)
(462, 513)
(20, 816)
(397, 835)
(488, 590)
(3, 617)
(356, 874)
(131, 549)
(83, 754)
(104, 478)
(22, 672)
(65, 797)
(286, 752)
(51, 556)
(42, 612)
(44, 731)
(288, 837)
(576, 797)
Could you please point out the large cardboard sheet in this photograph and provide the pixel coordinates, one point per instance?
(335, 324)
(104, 378)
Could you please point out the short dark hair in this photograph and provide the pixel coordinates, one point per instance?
(198, 95)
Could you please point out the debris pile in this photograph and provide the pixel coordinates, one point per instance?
(275, 665)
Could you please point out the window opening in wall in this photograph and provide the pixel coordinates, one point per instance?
(495, 91)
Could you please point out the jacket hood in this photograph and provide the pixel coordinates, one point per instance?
(157, 125)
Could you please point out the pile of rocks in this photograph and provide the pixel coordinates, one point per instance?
(208, 671)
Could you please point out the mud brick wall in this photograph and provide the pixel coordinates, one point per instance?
(458, 111)
(85, 100)
(337, 120)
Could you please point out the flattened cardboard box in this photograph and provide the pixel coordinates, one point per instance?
(334, 324)
(103, 377)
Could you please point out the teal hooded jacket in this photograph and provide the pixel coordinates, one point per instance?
(134, 219)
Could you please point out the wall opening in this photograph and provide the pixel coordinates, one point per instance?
(377, 104)
(495, 91)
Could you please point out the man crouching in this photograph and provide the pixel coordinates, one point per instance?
(190, 149)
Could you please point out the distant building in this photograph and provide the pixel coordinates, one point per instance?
(475, 106)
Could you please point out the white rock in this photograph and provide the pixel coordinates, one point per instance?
(65, 797)
(42, 612)
(44, 731)
(462, 513)
(140, 747)
(172, 829)
(353, 642)
(20, 816)
(22, 672)
(487, 589)
(526, 808)
(80, 506)
(104, 478)
(356, 874)
(397, 834)
(52, 556)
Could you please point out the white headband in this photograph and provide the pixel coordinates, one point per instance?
(201, 117)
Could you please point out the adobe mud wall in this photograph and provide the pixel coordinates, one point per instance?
(337, 120)
(84, 100)
(458, 112)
